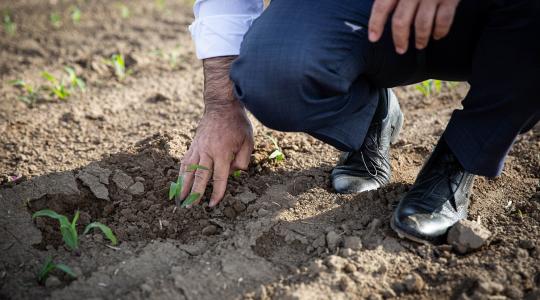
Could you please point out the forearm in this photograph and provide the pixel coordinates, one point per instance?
(218, 87)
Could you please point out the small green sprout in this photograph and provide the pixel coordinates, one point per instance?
(277, 154)
(58, 88)
(124, 11)
(31, 95)
(67, 229)
(56, 19)
(9, 26)
(426, 87)
(176, 187)
(237, 174)
(105, 229)
(74, 80)
(50, 266)
(119, 65)
(76, 15)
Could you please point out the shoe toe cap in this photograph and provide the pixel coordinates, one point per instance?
(424, 226)
(346, 184)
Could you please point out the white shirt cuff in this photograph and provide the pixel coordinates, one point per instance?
(219, 35)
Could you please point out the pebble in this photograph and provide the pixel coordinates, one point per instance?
(209, 230)
(332, 239)
(229, 212)
(246, 197)
(239, 206)
(122, 180)
(414, 283)
(467, 236)
(335, 262)
(262, 212)
(346, 284)
(489, 287)
(346, 252)
(138, 178)
(137, 188)
(350, 268)
(352, 242)
(52, 282)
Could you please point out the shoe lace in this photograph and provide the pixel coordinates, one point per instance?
(369, 153)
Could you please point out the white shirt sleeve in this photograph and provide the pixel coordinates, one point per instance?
(220, 25)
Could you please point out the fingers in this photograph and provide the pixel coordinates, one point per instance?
(219, 179)
(401, 24)
(201, 177)
(444, 18)
(379, 14)
(424, 23)
(242, 158)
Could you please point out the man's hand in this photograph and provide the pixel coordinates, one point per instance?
(224, 139)
(429, 16)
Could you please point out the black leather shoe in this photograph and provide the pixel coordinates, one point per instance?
(438, 199)
(369, 168)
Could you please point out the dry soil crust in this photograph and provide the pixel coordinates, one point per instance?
(111, 152)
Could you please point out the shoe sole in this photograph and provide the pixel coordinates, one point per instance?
(403, 235)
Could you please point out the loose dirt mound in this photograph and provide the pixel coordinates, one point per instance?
(280, 232)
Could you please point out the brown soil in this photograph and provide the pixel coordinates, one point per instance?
(267, 238)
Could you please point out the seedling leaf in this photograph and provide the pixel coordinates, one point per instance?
(67, 229)
(237, 174)
(64, 268)
(50, 266)
(172, 190)
(105, 229)
(51, 214)
(194, 167)
(191, 199)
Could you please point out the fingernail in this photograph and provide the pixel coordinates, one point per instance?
(400, 50)
(372, 36)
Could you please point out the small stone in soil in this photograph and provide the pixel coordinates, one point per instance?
(262, 212)
(122, 180)
(332, 239)
(467, 236)
(229, 212)
(137, 188)
(352, 242)
(52, 282)
(209, 230)
(414, 283)
(246, 197)
(350, 268)
(239, 206)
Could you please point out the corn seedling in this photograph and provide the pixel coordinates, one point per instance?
(426, 87)
(118, 63)
(31, 95)
(74, 80)
(56, 20)
(57, 88)
(76, 15)
(67, 229)
(9, 26)
(277, 154)
(124, 11)
(177, 187)
(50, 266)
(237, 174)
(105, 229)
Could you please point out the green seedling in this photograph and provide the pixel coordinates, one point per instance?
(74, 80)
(9, 26)
(57, 88)
(124, 11)
(67, 229)
(76, 15)
(426, 87)
(49, 266)
(118, 63)
(105, 229)
(237, 174)
(277, 154)
(56, 20)
(177, 187)
(31, 95)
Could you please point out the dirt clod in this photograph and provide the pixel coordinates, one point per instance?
(352, 242)
(210, 230)
(136, 189)
(467, 236)
(332, 239)
(122, 180)
(52, 282)
(414, 283)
